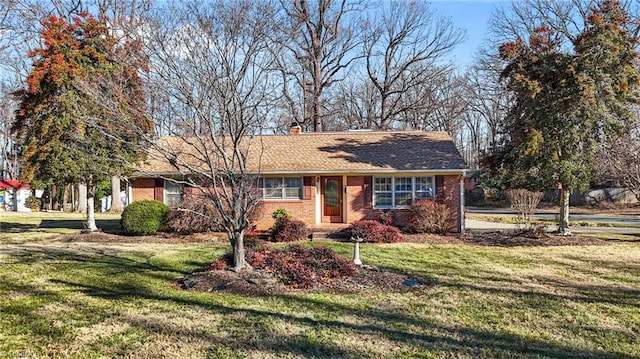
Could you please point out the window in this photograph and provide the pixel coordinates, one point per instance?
(423, 187)
(282, 187)
(383, 193)
(389, 192)
(172, 193)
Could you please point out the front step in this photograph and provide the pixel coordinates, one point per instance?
(327, 234)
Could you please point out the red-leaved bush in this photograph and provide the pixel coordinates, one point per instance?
(295, 265)
(374, 232)
(429, 216)
(286, 229)
(303, 267)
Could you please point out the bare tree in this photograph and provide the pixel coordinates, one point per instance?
(356, 104)
(405, 50)
(444, 105)
(9, 159)
(619, 159)
(213, 63)
(487, 104)
(126, 20)
(321, 37)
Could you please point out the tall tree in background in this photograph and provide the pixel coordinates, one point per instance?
(125, 20)
(565, 103)
(215, 69)
(547, 142)
(66, 132)
(320, 36)
(404, 51)
(607, 50)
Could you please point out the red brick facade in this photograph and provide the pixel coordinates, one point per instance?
(356, 193)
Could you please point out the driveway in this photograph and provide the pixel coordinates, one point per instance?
(617, 223)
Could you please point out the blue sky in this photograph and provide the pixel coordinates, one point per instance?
(472, 15)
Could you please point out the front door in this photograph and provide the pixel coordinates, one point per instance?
(332, 199)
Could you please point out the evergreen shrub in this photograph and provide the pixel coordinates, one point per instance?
(143, 217)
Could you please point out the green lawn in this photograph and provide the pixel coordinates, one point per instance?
(95, 300)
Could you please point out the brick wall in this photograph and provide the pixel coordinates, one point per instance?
(143, 188)
(450, 191)
(358, 201)
(359, 207)
(300, 209)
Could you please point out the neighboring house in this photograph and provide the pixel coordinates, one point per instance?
(13, 195)
(338, 177)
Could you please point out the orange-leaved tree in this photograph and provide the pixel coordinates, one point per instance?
(82, 113)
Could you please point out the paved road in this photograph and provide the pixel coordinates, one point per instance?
(622, 224)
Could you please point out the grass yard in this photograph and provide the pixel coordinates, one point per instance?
(95, 300)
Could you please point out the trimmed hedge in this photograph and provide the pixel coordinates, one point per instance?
(143, 217)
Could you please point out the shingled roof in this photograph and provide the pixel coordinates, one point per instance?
(337, 152)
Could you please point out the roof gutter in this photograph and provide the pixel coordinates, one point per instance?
(460, 171)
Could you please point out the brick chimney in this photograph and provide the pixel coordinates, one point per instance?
(295, 129)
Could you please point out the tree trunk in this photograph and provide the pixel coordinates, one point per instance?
(55, 204)
(90, 224)
(116, 202)
(239, 260)
(82, 197)
(563, 227)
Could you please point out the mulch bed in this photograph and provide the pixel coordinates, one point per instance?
(257, 283)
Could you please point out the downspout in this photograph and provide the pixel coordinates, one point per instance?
(461, 223)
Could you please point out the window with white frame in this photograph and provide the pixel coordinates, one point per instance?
(282, 187)
(389, 192)
(172, 193)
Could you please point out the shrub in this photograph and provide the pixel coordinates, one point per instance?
(429, 216)
(143, 217)
(32, 203)
(374, 232)
(279, 213)
(194, 215)
(386, 217)
(304, 267)
(524, 202)
(294, 265)
(286, 229)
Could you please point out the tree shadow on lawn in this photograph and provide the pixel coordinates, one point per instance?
(11, 227)
(431, 335)
(106, 225)
(106, 257)
(613, 295)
